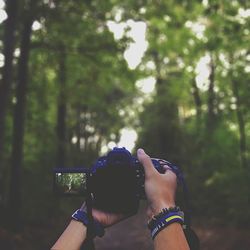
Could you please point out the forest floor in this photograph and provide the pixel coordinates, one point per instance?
(131, 234)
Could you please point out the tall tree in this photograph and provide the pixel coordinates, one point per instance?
(7, 72)
(61, 109)
(19, 118)
(211, 99)
(197, 100)
(241, 124)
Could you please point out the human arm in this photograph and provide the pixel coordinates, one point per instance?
(160, 191)
(75, 234)
(72, 238)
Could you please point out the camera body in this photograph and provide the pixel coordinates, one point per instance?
(115, 181)
(115, 184)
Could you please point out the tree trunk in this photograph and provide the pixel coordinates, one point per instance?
(241, 124)
(18, 132)
(197, 101)
(61, 112)
(78, 130)
(240, 119)
(9, 43)
(7, 72)
(211, 97)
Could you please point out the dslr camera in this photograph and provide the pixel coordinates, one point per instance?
(115, 181)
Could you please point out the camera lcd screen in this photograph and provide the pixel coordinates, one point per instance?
(70, 183)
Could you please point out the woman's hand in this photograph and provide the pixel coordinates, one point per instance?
(159, 188)
(106, 219)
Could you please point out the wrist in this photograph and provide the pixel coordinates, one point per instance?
(166, 217)
(96, 228)
(157, 207)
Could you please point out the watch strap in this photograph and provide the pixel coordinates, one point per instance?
(80, 215)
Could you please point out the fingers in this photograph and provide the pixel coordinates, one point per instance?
(166, 168)
(146, 162)
(169, 173)
(108, 219)
(166, 165)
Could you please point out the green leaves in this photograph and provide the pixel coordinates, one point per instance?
(100, 94)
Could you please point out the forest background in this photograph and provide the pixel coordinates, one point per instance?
(79, 77)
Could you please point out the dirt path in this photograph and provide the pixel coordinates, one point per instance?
(133, 234)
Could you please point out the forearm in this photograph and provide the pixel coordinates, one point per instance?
(72, 237)
(172, 238)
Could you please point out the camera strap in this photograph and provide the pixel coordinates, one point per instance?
(182, 182)
(89, 242)
(186, 198)
(191, 236)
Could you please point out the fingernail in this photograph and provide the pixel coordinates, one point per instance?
(141, 151)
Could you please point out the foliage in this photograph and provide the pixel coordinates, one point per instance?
(75, 62)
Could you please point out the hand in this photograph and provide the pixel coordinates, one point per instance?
(106, 219)
(160, 188)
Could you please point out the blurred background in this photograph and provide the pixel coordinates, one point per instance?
(80, 77)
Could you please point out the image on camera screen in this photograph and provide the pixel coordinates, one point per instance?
(70, 183)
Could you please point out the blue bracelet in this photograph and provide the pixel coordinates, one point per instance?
(164, 220)
(80, 215)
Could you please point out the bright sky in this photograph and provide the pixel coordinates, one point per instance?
(136, 49)
(3, 14)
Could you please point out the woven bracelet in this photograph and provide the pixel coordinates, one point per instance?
(166, 221)
(165, 218)
(162, 213)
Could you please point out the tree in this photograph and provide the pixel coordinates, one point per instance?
(9, 46)
(61, 109)
(19, 117)
(7, 74)
(68, 71)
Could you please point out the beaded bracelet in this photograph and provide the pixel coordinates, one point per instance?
(165, 218)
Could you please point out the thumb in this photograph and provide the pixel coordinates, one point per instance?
(146, 162)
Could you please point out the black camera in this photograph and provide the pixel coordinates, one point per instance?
(115, 181)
